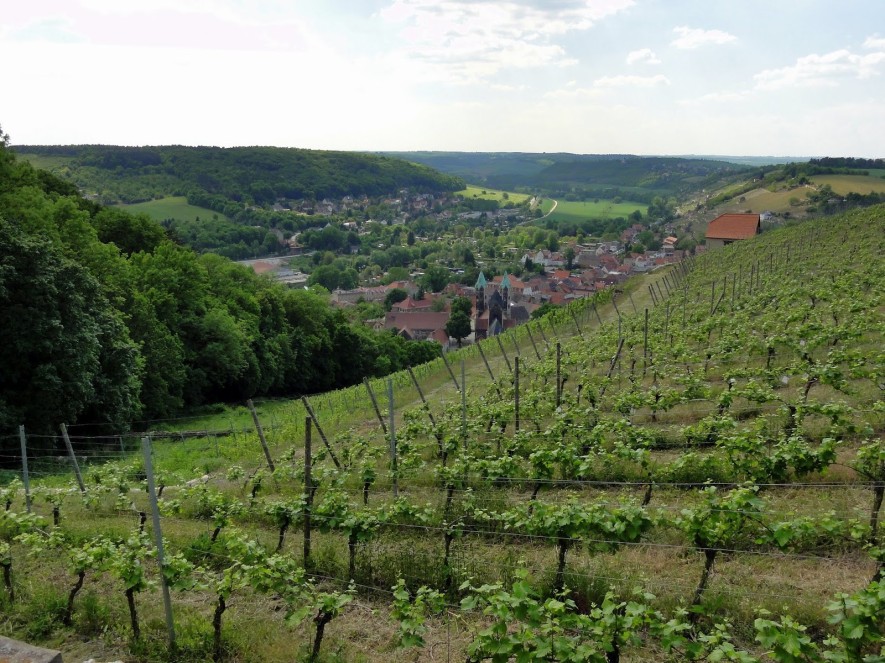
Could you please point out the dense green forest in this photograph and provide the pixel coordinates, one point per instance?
(215, 177)
(107, 320)
(592, 175)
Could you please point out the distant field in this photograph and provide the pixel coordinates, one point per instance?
(568, 210)
(50, 163)
(173, 207)
(845, 184)
(484, 193)
(762, 200)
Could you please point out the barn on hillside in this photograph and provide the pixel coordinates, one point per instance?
(728, 228)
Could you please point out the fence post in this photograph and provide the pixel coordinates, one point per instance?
(158, 537)
(596, 311)
(645, 345)
(515, 344)
(25, 477)
(64, 434)
(308, 489)
(260, 434)
(394, 470)
(632, 303)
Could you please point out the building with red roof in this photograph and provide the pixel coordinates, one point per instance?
(728, 228)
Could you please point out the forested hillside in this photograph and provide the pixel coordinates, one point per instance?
(603, 175)
(106, 320)
(224, 179)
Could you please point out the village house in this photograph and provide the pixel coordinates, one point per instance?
(419, 325)
(728, 228)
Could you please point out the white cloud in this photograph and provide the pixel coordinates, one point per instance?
(572, 92)
(631, 81)
(875, 42)
(54, 30)
(716, 97)
(694, 37)
(470, 40)
(822, 70)
(643, 56)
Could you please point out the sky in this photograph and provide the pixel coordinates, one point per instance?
(713, 77)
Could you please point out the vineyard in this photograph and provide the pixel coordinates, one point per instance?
(690, 473)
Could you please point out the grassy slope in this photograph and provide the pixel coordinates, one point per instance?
(761, 200)
(604, 209)
(173, 207)
(845, 184)
(484, 193)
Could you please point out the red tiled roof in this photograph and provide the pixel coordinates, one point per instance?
(409, 304)
(416, 320)
(733, 226)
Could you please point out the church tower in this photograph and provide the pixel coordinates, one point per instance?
(505, 292)
(480, 294)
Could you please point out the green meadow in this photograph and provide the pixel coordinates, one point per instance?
(604, 209)
(173, 207)
(761, 200)
(492, 194)
(845, 184)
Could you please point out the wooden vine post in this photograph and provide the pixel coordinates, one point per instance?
(394, 469)
(577, 326)
(660, 291)
(158, 537)
(503, 353)
(558, 373)
(436, 433)
(70, 448)
(26, 479)
(464, 401)
(319, 428)
(528, 328)
(488, 368)
(261, 437)
(448, 366)
(308, 489)
(375, 404)
(516, 392)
